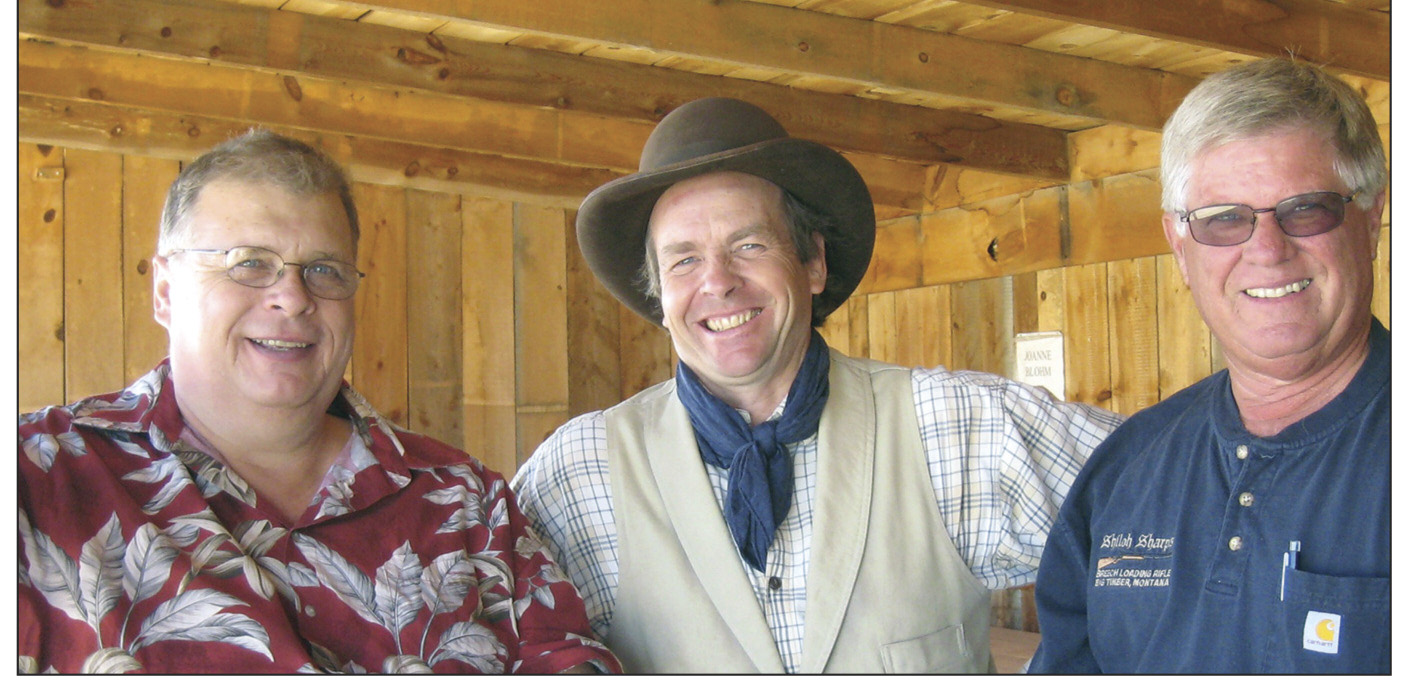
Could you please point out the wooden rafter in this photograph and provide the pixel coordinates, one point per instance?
(292, 43)
(1330, 33)
(849, 50)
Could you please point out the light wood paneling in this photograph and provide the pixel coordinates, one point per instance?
(39, 260)
(1131, 334)
(380, 357)
(435, 320)
(144, 184)
(1184, 339)
(543, 381)
(489, 339)
(92, 268)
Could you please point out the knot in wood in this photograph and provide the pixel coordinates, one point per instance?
(294, 88)
(1066, 96)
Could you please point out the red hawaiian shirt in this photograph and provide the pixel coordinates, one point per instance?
(140, 552)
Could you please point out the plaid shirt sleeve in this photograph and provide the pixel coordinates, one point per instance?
(1002, 457)
(564, 491)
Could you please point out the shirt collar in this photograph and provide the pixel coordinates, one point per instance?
(1370, 380)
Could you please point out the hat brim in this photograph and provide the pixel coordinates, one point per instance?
(612, 222)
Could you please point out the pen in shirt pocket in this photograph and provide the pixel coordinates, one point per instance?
(1289, 560)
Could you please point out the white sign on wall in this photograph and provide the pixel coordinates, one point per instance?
(1038, 360)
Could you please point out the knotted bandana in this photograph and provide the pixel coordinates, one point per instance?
(761, 481)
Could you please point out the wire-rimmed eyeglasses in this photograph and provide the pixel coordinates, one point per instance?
(260, 267)
(1225, 225)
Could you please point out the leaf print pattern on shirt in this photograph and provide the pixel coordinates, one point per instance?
(108, 568)
(402, 586)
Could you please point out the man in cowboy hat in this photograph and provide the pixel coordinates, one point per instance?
(779, 507)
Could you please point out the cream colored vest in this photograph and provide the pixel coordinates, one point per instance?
(887, 589)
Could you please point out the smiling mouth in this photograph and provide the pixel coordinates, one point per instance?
(280, 345)
(729, 322)
(1275, 292)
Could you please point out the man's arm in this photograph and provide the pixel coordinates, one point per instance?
(563, 490)
(1061, 593)
(552, 629)
(1002, 456)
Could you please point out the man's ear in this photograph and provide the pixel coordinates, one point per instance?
(1172, 224)
(1375, 216)
(161, 291)
(818, 267)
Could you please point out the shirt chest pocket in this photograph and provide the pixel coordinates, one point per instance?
(1335, 624)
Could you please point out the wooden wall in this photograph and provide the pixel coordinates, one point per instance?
(480, 324)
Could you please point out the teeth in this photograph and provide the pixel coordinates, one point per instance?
(720, 324)
(282, 344)
(1275, 292)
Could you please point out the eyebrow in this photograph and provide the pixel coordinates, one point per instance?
(736, 235)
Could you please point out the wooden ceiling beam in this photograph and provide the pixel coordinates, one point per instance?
(854, 51)
(898, 188)
(229, 34)
(1329, 33)
(130, 130)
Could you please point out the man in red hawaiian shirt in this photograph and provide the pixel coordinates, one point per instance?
(241, 508)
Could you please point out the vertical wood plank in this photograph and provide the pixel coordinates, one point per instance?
(434, 317)
(592, 328)
(883, 327)
(543, 381)
(1051, 300)
(857, 327)
(1025, 302)
(836, 329)
(1183, 338)
(145, 181)
(39, 255)
(924, 314)
(380, 358)
(1131, 324)
(648, 351)
(1086, 345)
(982, 326)
(92, 273)
(489, 334)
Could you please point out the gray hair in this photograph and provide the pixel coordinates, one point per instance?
(1262, 97)
(804, 222)
(258, 156)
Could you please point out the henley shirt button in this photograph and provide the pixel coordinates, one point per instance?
(775, 584)
(1245, 499)
(311, 612)
(1236, 543)
(1242, 451)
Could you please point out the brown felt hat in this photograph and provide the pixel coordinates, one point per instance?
(722, 134)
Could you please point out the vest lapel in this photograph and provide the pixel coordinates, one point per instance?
(687, 495)
(843, 502)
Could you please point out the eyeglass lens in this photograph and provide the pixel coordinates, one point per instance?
(325, 278)
(1223, 225)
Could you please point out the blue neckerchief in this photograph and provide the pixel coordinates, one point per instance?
(762, 470)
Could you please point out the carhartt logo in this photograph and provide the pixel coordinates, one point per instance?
(1322, 632)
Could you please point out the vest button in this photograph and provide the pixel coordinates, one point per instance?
(1235, 544)
(1242, 451)
(1245, 499)
(775, 584)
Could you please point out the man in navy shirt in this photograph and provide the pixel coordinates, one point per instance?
(1242, 525)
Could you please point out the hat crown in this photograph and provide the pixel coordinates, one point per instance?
(707, 126)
